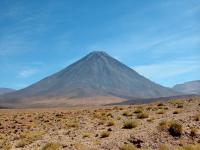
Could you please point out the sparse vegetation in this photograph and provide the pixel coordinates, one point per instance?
(126, 113)
(21, 143)
(177, 111)
(189, 147)
(94, 128)
(164, 147)
(175, 129)
(111, 123)
(197, 117)
(193, 132)
(151, 119)
(176, 102)
(128, 147)
(142, 115)
(160, 104)
(51, 146)
(161, 112)
(138, 110)
(105, 134)
(129, 124)
(164, 125)
(86, 135)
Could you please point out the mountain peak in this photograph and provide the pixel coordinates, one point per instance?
(97, 53)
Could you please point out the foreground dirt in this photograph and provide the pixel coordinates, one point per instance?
(145, 126)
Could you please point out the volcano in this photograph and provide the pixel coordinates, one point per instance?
(95, 75)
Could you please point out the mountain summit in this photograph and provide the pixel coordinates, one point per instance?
(95, 75)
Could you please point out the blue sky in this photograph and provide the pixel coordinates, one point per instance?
(159, 38)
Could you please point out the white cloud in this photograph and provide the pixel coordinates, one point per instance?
(170, 69)
(27, 73)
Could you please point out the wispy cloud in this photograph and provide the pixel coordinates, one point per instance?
(27, 73)
(170, 70)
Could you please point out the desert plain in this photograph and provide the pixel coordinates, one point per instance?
(169, 125)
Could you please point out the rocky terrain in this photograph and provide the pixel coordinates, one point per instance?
(171, 125)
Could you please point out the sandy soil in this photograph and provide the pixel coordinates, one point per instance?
(102, 128)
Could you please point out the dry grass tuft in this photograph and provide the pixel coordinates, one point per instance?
(175, 129)
(129, 124)
(128, 147)
(51, 146)
(105, 134)
(164, 147)
(197, 117)
(142, 115)
(110, 123)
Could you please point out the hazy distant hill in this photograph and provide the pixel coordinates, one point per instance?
(5, 90)
(95, 75)
(191, 87)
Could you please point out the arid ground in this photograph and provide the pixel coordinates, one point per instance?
(174, 124)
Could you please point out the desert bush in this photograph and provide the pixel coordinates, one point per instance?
(32, 135)
(164, 147)
(193, 132)
(79, 146)
(142, 115)
(180, 106)
(165, 108)
(151, 119)
(103, 114)
(101, 122)
(72, 125)
(109, 115)
(51, 146)
(21, 143)
(110, 123)
(115, 108)
(29, 137)
(85, 135)
(129, 124)
(128, 147)
(189, 147)
(160, 112)
(176, 102)
(149, 108)
(138, 110)
(175, 129)
(177, 111)
(5, 145)
(126, 113)
(121, 108)
(105, 134)
(164, 125)
(118, 118)
(160, 104)
(197, 117)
